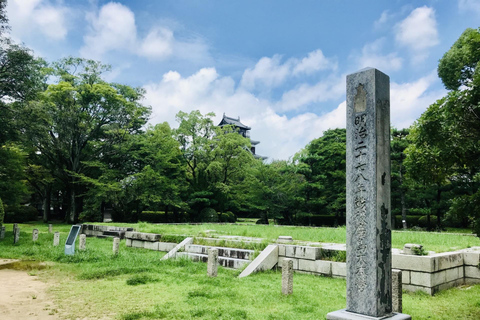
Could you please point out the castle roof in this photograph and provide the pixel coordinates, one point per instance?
(232, 121)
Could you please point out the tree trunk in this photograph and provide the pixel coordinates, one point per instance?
(439, 209)
(72, 207)
(46, 203)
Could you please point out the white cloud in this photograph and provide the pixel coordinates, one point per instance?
(270, 72)
(315, 61)
(29, 17)
(418, 32)
(409, 100)
(112, 29)
(157, 44)
(305, 94)
(372, 57)
(469, 6)
(384, 18)
(281, 137)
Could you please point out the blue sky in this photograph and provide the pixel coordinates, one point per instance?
(279, 65)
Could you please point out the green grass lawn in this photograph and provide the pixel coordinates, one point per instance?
(137, 285)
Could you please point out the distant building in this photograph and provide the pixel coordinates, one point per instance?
(241, 129)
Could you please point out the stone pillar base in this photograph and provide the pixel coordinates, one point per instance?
(345, 315)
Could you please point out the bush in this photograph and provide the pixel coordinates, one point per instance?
(418, 211)
(208, 215)
(423, 223)
(325, 220)
(227, 217)
(20, 214)
(2, 212)
(161, 217)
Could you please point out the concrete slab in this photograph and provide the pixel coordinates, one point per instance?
(181, 245)
(266, 260)
(344, 315)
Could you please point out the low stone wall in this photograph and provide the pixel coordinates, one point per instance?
(92, 230)
(430, 273)
(307, 260)
(149, 241)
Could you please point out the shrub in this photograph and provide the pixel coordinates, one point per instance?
(326, 220)
(208, 215)
(227, 217)
(20, 214)
(423, 223)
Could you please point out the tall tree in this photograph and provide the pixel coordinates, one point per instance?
(399, 190)
(79, 118)
(325, 160)
(449, 131)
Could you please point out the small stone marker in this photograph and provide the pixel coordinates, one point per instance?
(116, 245)
(56, 239)
(369, 257)
(412, 248)
(50, 228)
(287, 276)
(82, 242)
(35, 235)
(397, 290)
(16, 235)
(212, 264)
(2, 232)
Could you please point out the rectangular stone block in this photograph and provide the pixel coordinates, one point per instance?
(448, 285)
(339, 269)
(448, 260)
(324, 267)
(471, 258)
(128, 242)
(306, 265)
(281, 250)
(143, 236)
(472, 272)
(295, 262)
(302, 252)
(454, 274)
(428, 279)
(151, 245)
(138, 244)
(405, 277)
(166, 246)
(413, 263)
(413, 288)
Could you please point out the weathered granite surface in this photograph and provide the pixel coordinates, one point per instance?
(369, 289)
(56, 239)
(397, 290)
(212, 263)
(35, 235)
(116, 245)
(287, 276)
(82, 242)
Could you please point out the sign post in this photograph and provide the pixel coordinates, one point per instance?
(72, 236)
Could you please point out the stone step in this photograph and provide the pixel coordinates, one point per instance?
(223, 261)
(222, 252)
(118, 234)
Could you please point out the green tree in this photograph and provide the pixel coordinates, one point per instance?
(272, 190)
(399, 189)
(215, 160)
(324, 166)
(446, 139)
(78, 119)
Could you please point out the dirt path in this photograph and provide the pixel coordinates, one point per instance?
(23, 296)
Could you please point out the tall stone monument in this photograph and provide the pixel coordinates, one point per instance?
(369, 258)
